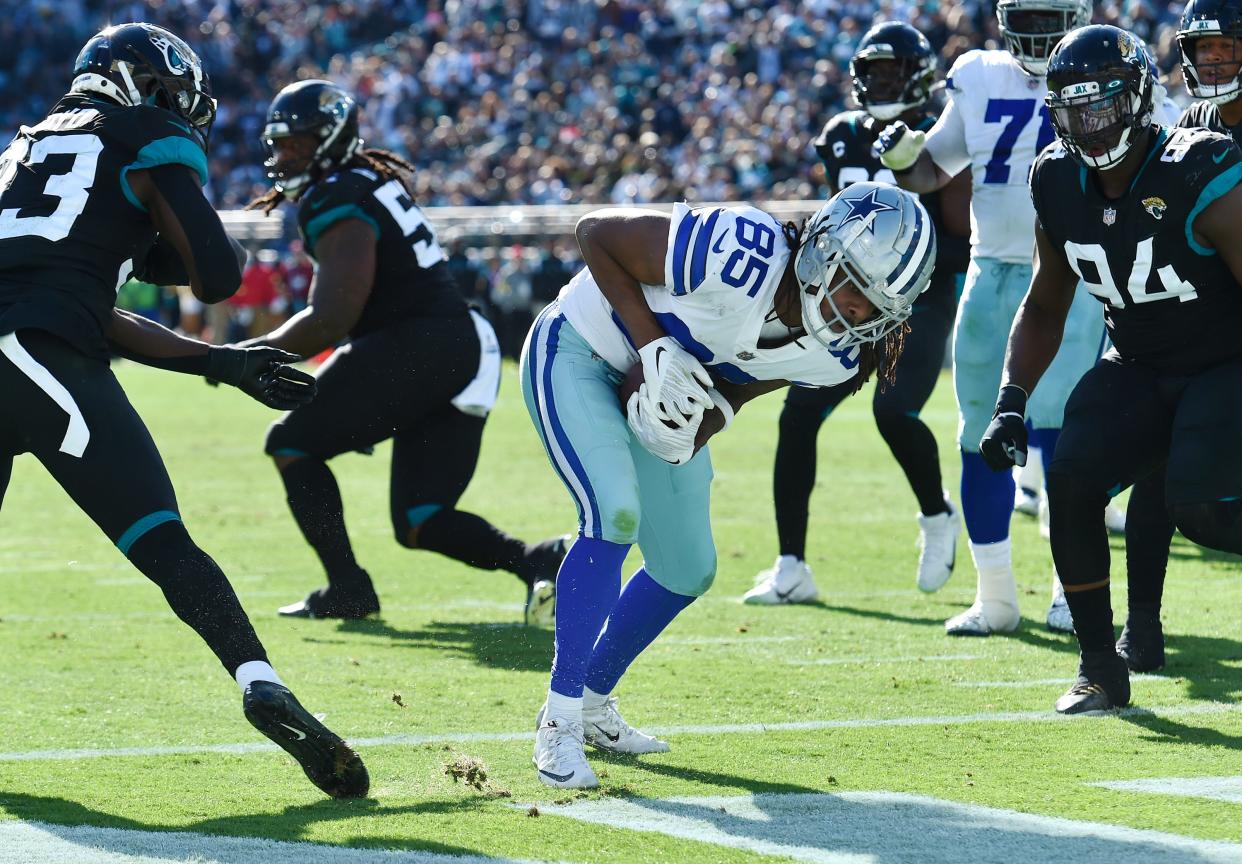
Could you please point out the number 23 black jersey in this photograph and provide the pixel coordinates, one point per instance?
(71, 229)
(1169, 302)
(411, 276)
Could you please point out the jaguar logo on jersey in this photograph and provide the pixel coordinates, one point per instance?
(1110, 215)
(1155, 206)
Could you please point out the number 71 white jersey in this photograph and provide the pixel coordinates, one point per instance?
(721, 272)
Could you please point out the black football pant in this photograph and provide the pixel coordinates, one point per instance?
(71, 413)
(1123, 423)
(397, 383)
(896, 410)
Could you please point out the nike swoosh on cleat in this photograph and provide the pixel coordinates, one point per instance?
(783, 596)
(559, 778)
(298, 732)
(613, 738)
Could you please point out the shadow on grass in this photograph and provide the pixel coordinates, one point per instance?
(499, 646)
(289, 824)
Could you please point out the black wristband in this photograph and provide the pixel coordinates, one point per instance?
(1011, 400)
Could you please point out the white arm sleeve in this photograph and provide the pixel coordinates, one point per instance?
(946, 142)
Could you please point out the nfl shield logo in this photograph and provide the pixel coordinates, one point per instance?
(1110, 215)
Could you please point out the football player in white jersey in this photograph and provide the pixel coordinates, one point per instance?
(996, 124)
(714, 306)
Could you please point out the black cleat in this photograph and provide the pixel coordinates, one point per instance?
(333, 602)
(543, 560)
(1142, 640)
(328, 761)
(1103, 685)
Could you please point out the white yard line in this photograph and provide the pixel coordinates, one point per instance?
(1212, 788)
(869, 827)
(862, 661)
(33, 842)
(1048, 682)
(709, 729)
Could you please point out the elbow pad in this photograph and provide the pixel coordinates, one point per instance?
(215, 273)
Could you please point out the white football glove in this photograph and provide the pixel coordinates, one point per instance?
(898, 146)
(674, 382)
(672, 444)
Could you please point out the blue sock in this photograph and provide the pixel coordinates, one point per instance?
(641, 614)
(1046, 441)
(987, 500)
(586, 590)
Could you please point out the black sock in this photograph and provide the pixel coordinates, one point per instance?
(914, 448)
(315, 500)
(473, 540)
(198, 593)
(1080, 551)
(793, 476)
(1149, 530)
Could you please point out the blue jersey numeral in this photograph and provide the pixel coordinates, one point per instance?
(1015, 114)
(758, 242)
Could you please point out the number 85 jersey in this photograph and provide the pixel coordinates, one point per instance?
(1170, 302)
(71, 228)
(722, 269)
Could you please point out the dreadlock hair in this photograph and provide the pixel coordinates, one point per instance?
(383, 162)
(880, 356)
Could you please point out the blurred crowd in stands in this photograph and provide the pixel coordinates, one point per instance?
(527, 101)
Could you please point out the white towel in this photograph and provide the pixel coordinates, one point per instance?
(480, 394)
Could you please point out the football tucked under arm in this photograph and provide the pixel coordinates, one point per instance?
(712, 420)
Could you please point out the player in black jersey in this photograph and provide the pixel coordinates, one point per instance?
(1146, 217)
(1210, 39)
(108, 185)
(893, 73)
(420, 367)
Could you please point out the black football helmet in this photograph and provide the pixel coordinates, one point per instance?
(142, 64)
(887, 92)
(326, 113)
(1201, 18)
(1099, 93)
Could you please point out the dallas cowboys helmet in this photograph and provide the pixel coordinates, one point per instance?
(1099, 94)
(142, 64)
(1206, 18)
(321, 110)
(875, 237)
(1033, 27)
(887, 96)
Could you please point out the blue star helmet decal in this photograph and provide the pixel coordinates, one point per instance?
(864, 206)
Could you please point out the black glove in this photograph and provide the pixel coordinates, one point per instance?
(1004, 444)
(262, 373)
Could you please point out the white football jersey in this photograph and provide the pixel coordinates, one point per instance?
(995, 124)
(721, 272)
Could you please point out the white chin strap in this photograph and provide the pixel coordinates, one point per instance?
(1114, 155)
(888, 110)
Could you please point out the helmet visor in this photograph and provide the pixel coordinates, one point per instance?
(823, 269)
(1094, 125)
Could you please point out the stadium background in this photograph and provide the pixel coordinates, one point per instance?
(509, 104)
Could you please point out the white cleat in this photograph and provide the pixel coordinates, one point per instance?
(541, 605)
(976, 621)
(1114, 520)
(938, 541)
(559, 755)
(787, 581)
(1059, 618)
(606, 729)
(1026, 501)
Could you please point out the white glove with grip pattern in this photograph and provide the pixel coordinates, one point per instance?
(898, 146)
(674, 382)
(672, 444)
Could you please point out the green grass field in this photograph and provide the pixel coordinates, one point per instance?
(848, 731)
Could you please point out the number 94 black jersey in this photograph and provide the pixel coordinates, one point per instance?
(71, 228)
(1169, 302)
(411, 276)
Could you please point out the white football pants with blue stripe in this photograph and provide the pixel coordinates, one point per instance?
(623, 493)
(994, 290)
